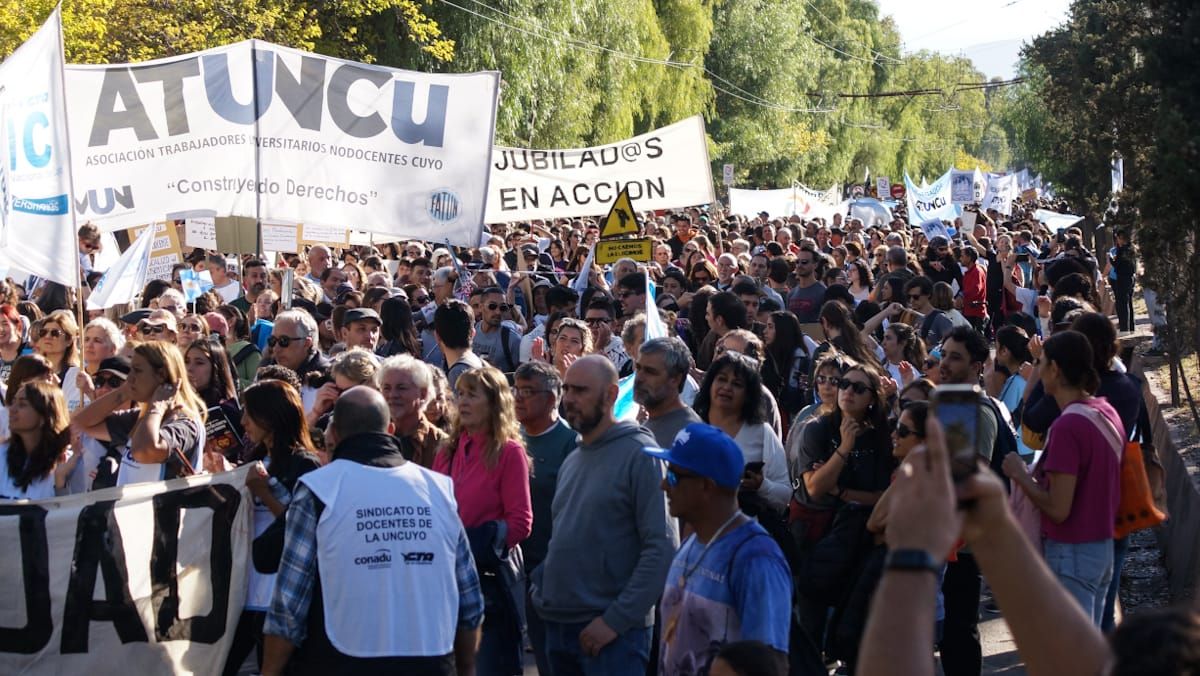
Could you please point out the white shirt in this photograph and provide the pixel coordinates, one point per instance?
(759, 443)
(36, 490)
(230, 292)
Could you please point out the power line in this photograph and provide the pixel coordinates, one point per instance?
(831, 22)
(543, 34)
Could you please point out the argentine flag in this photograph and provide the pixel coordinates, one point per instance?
(625, 407)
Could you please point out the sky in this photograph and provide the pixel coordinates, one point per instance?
(989, 32)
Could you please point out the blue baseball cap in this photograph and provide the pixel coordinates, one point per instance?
(707, 451)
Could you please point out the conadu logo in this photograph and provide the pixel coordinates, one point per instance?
(380, 558)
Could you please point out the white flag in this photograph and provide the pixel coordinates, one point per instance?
(37, 230)
(1118, 175)
(125, 279)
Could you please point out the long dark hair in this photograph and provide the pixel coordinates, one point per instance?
(221, 385)
(26, 465)
(744, 368)
(275, 405)
(877, 412)
(911, 344)
(397, 325)
(849, 341)
(788, 337)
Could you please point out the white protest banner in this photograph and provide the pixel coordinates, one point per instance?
(883, 187)
(664, 169)
(870, 211)
(1001, 191)
(280, 237)
(262, 131)
(780, 202)
(931, 202)
(1055, 221)
(37, 231)
(142, 579)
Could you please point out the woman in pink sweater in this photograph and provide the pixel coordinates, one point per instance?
(490, 470)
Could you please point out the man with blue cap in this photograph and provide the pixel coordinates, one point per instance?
(729, 581)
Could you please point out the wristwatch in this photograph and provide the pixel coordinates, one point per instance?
(912, 560)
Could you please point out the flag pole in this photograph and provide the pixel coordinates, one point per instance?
(62, 85)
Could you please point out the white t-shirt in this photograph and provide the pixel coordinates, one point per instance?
(36, 490)
(230, 292)
(759, 443)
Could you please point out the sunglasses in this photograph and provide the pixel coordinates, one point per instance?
(674, 476)
(596, 321)
(903, 431)
(282, 341)
(53, 333)
(847, 384)
(193, 328)
(503, 307)
(111, 381)
(152, 329)
(625, 294)
(826, 380)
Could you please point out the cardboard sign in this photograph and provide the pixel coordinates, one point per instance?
(164, 251)
(200, 233)
(280, 237)
(613, 250)
(308, 233)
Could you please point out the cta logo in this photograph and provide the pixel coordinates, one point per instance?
(380, 558)
(418, 558)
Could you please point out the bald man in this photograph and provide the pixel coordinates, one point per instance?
(598, 606)
(366, 517)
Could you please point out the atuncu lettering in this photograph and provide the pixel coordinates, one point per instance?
(305, 95)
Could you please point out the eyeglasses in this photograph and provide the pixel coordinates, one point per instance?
(674, 476)
(282, 341)
(597, 321)
(826, 380)
(152, 329)
(111, 381)
(503, 307)
(859, 388)
(527, 392)
(903, 432)
(53, 333)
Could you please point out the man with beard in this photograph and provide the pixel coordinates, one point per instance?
(662, 369)
(611, 543)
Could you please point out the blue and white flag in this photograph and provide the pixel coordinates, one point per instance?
(932, 202)
(195, 284)
(37, 222)
(625, 407)
(934, 228)
(125, 279)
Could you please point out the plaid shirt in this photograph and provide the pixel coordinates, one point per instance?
(290, 601)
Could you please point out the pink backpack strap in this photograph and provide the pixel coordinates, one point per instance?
(1102, 424)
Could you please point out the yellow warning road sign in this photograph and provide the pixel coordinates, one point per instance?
(620, 219)
(613, 250)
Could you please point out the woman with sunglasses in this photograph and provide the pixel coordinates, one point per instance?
(54, 338)
(490, 470)
(164, 436)
(277, 436)
(730, 399)
(191, 328)
(845, 462)
(34, 462)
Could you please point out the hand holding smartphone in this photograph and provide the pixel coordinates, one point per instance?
(957, 408)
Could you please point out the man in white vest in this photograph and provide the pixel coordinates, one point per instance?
(377, 575)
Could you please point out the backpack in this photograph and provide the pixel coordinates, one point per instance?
(1005, 443)
(244, 354)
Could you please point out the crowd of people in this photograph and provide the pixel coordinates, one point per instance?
(445, 480)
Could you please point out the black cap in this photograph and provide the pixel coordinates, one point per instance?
(116, 365)
(359, 314)
(135, 316)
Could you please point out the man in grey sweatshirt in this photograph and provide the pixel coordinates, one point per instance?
(612, 541)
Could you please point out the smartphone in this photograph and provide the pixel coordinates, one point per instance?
(755, 467)
(958, 408)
